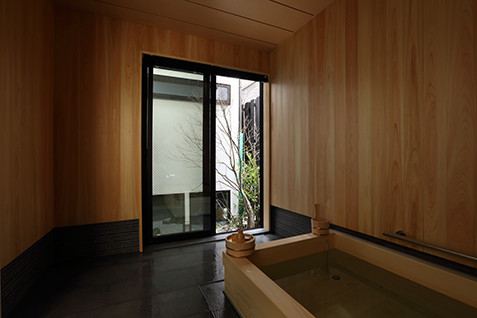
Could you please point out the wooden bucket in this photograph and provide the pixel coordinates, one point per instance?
(240, 244)
(320, 226)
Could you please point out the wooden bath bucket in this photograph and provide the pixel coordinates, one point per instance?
(240, 244)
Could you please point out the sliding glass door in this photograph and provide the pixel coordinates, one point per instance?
(180, 203)
(201, 142)
(177, 144)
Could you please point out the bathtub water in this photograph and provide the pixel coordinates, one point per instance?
(336, 284)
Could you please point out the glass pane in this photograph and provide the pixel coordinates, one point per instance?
(179, 202)
(237, 154)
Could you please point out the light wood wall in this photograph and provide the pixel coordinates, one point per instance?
(374, 118)
(26, 125)
(98, 108)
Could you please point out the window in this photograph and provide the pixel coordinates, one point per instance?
(201, 149)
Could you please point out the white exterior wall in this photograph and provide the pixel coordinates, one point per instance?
(172, 122)
(233, 118)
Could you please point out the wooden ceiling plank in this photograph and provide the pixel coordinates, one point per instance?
(199, 15)
(309, 6)
(265, 11)
(164, 23)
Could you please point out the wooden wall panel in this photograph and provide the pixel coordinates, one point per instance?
(98, 108)
(291, 128)
(317, 123)
(365, 215)
(379, 156)
(475, 121)
(333, 72)
(433, 121)
(392, 126)
(461, 127)
(351, 104)
(393, 207)
(412, 101)
(26, 125)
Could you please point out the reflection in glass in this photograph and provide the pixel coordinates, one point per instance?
(179, 202)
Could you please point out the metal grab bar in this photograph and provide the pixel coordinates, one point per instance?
(413, 241)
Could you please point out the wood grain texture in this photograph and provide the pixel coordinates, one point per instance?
(135, 11)
(461, 104)
(265, 11)
(317, 123)
(450, 283)
(254, 294)
(412, 97)
(26, 125)
(365, 214)
(98, 108)
(289, 248)
(475, 120)
(433, 121)
(351, 147)
(393, 207)
(259, 24)
(378, 120)
(333, 82)
(287, 127)
(312, 7)
(205, 16)
(392, 106)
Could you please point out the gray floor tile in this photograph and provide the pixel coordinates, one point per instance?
(226, 313)
(182, 281)
(215, 296)
(182, 303)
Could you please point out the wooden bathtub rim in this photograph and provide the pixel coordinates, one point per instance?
(254, 294)
(453, 284)
(291, 247)
(242, 275)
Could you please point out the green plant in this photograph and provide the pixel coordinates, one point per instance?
(251, 189)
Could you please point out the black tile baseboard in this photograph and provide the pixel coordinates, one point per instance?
(99, 239)
(60, 244)
(286, 223)
(24, 271)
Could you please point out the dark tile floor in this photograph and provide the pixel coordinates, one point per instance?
(185, 281)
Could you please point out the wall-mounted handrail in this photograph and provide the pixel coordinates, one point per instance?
(413, 241)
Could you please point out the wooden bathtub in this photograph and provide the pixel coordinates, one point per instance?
(254, 294)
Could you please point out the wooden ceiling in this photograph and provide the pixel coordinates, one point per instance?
(260, 24)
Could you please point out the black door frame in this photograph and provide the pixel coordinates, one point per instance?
(210, 72)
